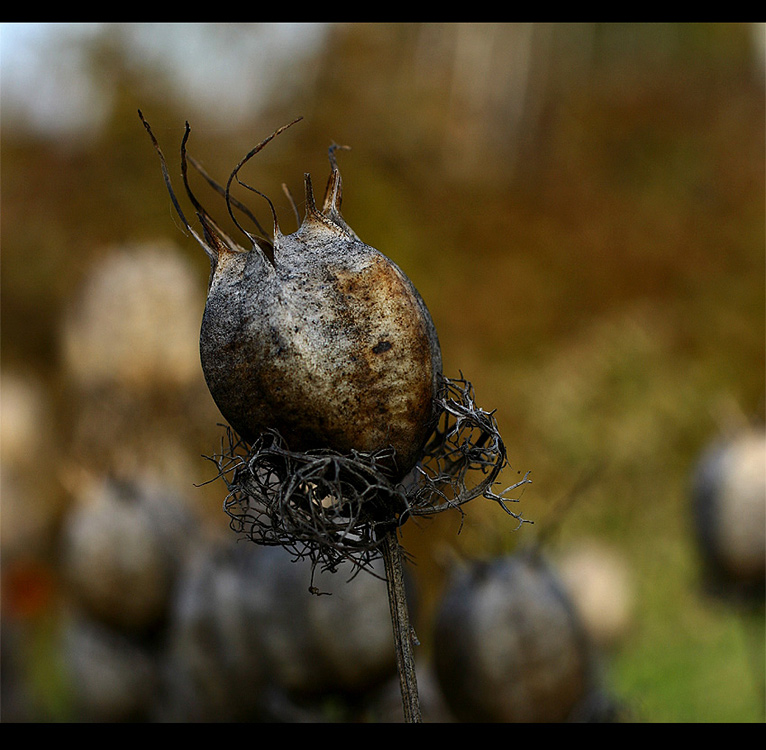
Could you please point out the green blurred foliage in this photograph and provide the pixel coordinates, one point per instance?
(589, 238)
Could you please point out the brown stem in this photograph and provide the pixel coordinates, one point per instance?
(400, 620)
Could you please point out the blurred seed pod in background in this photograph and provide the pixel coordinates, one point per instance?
(121, 547)
(729, 515)
(213, 666)
(385, 705)
(600, 586)
(135, 398)
(110, 676)
(247, 640)
(508, 646)
(133, 323)
(24, 407)
(336, 640)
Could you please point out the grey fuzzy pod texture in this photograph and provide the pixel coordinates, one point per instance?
(329, 342)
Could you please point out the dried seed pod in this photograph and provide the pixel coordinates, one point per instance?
(122, 545)
(315, 334)
(508, 646)
(325, 361)
(111, 676)
(336, 642)
(729, 509)
(213, 667)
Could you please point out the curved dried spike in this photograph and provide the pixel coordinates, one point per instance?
(185, 171)
(260, 244)
(331, 219)
(241, 164)
(333, 194)
(211, 251)
(289, 195)
(212, 232)
(271, 206)
(222, 191)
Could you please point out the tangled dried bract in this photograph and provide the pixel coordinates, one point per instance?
(330, 507)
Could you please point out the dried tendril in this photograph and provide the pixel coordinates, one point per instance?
(329, 507)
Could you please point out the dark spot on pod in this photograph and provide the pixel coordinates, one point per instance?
(381, 346)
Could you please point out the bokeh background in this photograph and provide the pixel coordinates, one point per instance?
(580, 205)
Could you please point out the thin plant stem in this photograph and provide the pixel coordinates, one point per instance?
(403, 634)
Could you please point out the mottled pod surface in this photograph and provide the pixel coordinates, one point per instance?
(331, 344)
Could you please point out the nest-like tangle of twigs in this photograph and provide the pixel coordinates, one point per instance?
(331, 507)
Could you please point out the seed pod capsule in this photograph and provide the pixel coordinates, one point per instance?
(316, 334)
(330, 344)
